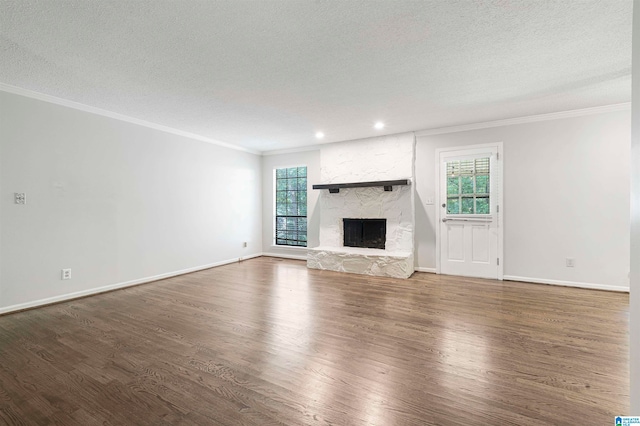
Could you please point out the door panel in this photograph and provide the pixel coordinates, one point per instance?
(470, 217)
(455, 242)
(480, 243)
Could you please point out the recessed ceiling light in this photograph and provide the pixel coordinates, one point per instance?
(379, 125)
(319, 135)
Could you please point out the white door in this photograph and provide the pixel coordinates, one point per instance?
(470, 235)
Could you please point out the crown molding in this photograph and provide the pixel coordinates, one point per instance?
(528, 119)
(116, 116)
(305, 148)
(319, 146)
(427, 132)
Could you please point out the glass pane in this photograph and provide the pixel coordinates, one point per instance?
(291, 223)
(280, 222)
(482, 165)
(302, 184)
(281, 184)
(453, 168)
(453, 205)
(281, 209)
(466, 167)
(467, 205)
(482, 184)
(292, 184)
(281, 173)
(302, 224)
(453, 185)
(281, 242)
(302, 171)
(467, 184)
(292, 196)
(482, 205)
(292, 172)
(292, 209)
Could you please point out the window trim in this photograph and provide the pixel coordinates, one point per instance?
(274, 239)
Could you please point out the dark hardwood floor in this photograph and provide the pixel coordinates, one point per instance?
(267, 341)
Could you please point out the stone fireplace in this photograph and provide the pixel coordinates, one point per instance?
(365, 246)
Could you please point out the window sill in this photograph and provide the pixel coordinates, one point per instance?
(289, 247)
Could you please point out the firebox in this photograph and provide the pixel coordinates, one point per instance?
(367, 233)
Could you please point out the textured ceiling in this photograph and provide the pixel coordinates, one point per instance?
(268, 74)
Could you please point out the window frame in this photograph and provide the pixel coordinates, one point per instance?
(301, 236)
(474, 195)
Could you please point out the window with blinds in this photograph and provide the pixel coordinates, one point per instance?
(468, 187)
(291, 206)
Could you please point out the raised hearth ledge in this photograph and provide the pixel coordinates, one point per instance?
(356, 260)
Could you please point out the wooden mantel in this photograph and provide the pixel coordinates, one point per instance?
(388, 185)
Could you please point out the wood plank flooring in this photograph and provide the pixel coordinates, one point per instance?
(269, 342)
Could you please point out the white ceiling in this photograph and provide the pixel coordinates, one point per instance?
(268, 74)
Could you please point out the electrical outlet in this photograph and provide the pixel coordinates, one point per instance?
(571, 262)
(66, 274)
(20, 197)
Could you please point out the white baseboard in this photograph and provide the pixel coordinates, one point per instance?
(567, 283)
(286, 256)
(240, 259)
(429, 270)
(110, 287)
(83, 293)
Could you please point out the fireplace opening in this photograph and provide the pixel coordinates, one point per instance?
(366, 233)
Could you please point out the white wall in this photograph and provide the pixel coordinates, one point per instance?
(634, 309)
(311, 159)
(114, 201)
(566, 194)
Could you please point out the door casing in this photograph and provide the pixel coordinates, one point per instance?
(499, 202)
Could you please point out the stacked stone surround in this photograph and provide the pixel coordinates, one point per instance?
(377, 159)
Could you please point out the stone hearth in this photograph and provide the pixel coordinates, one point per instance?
(356, 260)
